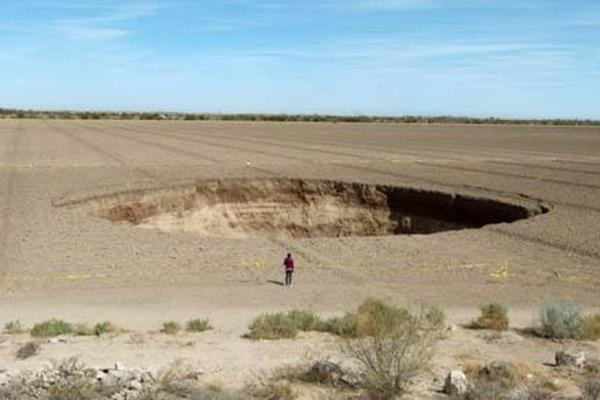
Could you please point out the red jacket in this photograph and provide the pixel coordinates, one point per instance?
(288, 263)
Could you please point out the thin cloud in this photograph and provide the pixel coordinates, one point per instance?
(376, 5)
(82, 30)
(112, 24)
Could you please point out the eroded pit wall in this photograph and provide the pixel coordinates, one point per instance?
(296, 208)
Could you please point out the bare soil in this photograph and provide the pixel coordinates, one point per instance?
(62, 262)
(296, 208)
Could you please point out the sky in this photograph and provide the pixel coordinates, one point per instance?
(501, 58)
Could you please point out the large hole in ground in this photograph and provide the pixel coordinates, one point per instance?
(295, 208)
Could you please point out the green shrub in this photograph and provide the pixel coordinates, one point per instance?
(590, 329)
(105, 328)
(51, 328)
(375, 317)
(198, 325)
(283, 325)
(341, 326)
(560, 319)
(435, 318)
(272, 326)
(171, 328)
(493, 316)
(304, 320)
(372, 317)
(13, 328)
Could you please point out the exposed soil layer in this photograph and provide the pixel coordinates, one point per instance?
(295, 208)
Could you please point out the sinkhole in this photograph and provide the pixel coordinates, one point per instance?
(297, 208)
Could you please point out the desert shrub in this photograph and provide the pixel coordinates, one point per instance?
(99, 329)
(67, 380)
(560, 319)
(272, 391)
(272, 326)
(171, 328)
(28, 350)
(283, 325)
(187, 391)
(341, 326)
(396, 348)
(74, 389)
(372, 317)
(590, 389)
(51, 328)
(198, 325)
(84, 329)
(74, 381)
(493, 316)
(375, 317)
(180, 381)
(506, 380)
(483, 391)
(13, 328)
(105, 327)
(304, 320)
(323, 373)
(590, 328)
(435, 318)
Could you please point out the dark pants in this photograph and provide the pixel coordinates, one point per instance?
(288, 278)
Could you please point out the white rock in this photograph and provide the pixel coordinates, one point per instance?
(135, 385)
(456, 383)
(100, 375)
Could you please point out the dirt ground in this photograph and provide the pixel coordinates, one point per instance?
(58, 262)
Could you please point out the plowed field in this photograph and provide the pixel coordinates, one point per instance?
(67, 261)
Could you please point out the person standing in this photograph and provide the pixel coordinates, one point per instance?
(288, 264)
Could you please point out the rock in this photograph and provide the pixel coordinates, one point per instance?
(146, 377)
(325, 372)
(570, 358)
(135, 385)
(101, 375)
(330, 373)
(119, 366)
(456, 383)
(593, 365)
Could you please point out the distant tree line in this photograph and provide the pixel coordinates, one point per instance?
(412, 119)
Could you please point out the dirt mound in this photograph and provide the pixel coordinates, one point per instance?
(302, 208)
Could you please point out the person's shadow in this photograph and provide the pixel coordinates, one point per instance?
(279, 283)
